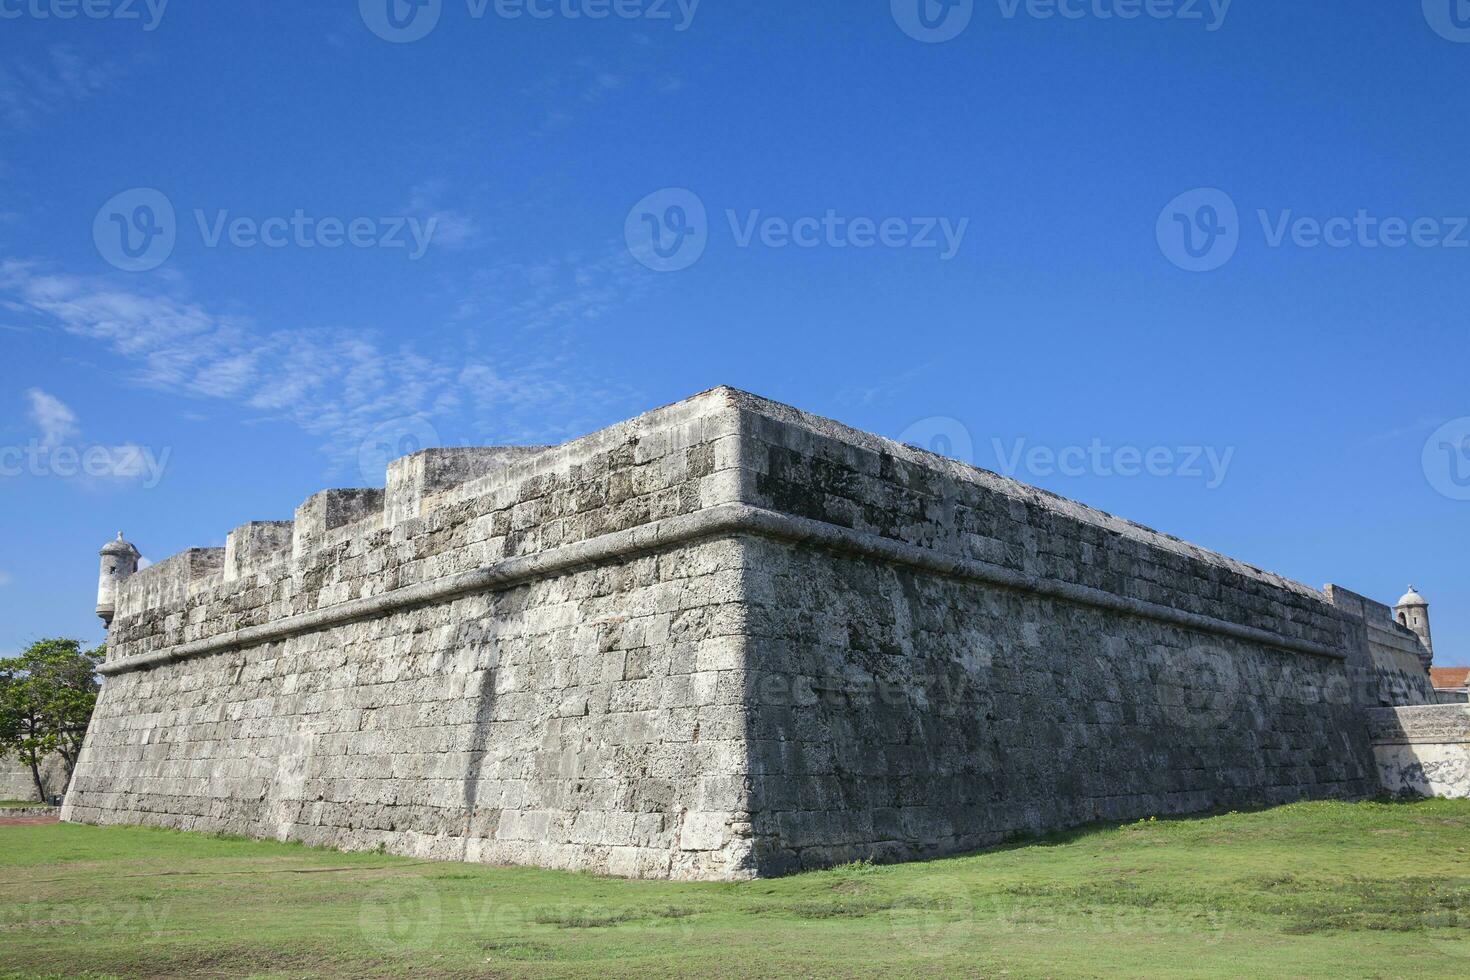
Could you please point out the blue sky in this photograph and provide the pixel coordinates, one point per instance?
(976, 243)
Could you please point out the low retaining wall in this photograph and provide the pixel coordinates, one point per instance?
(29, 812)
(1423, 750)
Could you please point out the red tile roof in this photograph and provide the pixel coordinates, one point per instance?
(1448, 676)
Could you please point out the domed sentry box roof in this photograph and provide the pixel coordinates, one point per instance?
(1411, 598)
(119, 547)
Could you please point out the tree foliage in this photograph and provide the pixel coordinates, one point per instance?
(46, 699)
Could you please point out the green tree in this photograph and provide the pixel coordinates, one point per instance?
(46, 699)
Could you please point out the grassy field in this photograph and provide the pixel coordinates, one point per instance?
(13, 804)
(1320, 889)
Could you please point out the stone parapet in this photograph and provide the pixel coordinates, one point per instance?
(168, 584)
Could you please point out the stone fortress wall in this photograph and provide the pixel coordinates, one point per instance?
(17, 783)
(948, 658)
(720, 640)
(1388, 661)
(527, 657)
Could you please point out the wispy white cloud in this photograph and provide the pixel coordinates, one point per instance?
(36, 87)
(5, 579)
(887, 388)
(450, 228)
(331, 383)
(56, 421)
(576, 289)
(1419, 428)
(602, 85)
(584, 88)
(338, 385)
(57, 452)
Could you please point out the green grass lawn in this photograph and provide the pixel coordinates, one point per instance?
(13, 804)
(1318, 889)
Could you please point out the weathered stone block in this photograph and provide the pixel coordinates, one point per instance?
(413, 481)
(253, 546)
(329, 510)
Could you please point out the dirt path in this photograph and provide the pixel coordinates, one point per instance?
(26, 821)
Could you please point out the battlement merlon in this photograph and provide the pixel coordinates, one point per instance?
(415, 481)
(254, 546)
(795, 475)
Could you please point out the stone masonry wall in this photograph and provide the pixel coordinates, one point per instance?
(17, 783)
(903, 707)
(904, 715)
(1388, 664)
(591, 722)
(723, 639)
(589, 719)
